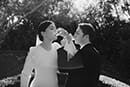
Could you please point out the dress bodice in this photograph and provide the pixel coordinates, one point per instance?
(43, 58)
(45, 65)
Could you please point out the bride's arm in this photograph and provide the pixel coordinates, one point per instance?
(67, 41)
(69, 45)
(26, 72)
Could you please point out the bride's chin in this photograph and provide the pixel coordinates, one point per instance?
(55, 38)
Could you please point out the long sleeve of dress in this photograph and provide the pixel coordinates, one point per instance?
(27, 70)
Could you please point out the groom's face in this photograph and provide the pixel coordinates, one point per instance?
(78, 36)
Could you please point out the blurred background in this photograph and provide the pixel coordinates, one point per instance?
(19, 20)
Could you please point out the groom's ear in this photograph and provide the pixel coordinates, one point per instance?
(86, 36)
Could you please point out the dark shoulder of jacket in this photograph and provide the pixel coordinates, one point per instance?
(61, 51)
(95, 53)
(89, 48)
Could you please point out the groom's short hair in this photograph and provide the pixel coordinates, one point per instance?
(87, 29)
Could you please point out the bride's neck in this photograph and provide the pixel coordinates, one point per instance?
(47, 44)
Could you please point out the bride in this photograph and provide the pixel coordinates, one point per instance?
(42, 58)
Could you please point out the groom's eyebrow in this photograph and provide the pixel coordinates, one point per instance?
(77, 32)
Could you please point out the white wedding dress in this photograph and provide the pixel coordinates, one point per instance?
(45, 65)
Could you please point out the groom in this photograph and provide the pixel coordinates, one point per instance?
(88, 75)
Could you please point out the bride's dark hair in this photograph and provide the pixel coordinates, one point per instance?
(42, 28)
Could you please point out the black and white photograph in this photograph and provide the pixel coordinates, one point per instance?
(64, 43)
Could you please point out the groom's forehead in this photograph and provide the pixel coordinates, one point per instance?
(78, 30)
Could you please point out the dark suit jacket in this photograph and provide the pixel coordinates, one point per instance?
(89, 75)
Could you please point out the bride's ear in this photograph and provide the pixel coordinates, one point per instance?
(42, 33)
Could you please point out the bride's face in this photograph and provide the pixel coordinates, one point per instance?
(50, 32)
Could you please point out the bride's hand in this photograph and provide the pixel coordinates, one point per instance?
(69, 38)
(61, 32)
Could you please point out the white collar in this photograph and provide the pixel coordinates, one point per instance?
(84, 45)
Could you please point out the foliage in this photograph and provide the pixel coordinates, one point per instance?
(96, 10)
(21, 38)
(111, 18)
(107, 16)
